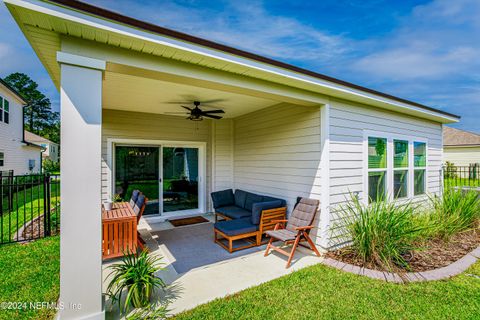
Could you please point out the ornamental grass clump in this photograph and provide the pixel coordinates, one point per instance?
(382, 232)
(136, 276)
(454, 211)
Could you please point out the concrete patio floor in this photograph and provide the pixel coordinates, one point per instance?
(208, 282)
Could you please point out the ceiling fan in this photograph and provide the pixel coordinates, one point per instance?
(197, 114)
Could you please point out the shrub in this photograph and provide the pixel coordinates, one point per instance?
(381, 232)
(454, 211)
(136, 275)
(50, 166)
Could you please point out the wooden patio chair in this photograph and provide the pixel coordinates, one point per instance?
(139, 208)
(297, 229)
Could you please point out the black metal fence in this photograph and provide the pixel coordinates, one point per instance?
(29, 207)
(461, 176)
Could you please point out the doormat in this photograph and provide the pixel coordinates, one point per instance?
(188, 221)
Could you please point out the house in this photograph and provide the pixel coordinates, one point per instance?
(462, 148)
(51, 149)
(16, 154)
(285, 131)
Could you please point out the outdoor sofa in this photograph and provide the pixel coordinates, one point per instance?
(243, 217)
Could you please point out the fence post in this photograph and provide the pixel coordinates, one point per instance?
(46, 205)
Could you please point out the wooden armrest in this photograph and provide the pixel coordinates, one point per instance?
(304, 228)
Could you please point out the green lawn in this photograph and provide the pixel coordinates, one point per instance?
(30, 205)
(462, 182)
(321, 292)
(30, 273)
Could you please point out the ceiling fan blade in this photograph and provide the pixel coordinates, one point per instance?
(176, 113)
(177, 102)
(211, 101)
(214, 111)
(189, 109)
(211, 116)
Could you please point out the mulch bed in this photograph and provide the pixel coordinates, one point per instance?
(435, 253)
(35, 229)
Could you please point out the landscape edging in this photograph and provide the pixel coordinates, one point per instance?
(446, 272)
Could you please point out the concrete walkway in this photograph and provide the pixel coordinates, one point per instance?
(206, 283)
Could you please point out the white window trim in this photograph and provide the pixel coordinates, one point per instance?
(389, 178)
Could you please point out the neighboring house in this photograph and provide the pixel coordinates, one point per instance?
(16, 153)
(460, 147)
(286, 131)
(51, 149)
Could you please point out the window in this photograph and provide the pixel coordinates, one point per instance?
(2, 159)
(420, 167)
(1, 109)
(400, 168)
(31, 164)
(377, 168)
(6, 111)
(397, 167)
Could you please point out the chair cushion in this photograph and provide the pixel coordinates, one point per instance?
(251, 199)
(303, 214)
(235, 227)
(222, 198)
(282, 234)
(258, 207)
(134, 197)
(233, 212)
(139, 204)
(240, 197)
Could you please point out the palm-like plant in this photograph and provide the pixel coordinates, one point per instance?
(137, 276)
(381, 232)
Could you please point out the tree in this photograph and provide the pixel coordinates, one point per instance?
(39, 117)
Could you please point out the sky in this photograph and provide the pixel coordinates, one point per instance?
(425, 51)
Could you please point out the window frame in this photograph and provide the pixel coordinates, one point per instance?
(369, 170)
(425, 168)
(390, 164)
(2, 158)
(3, 102)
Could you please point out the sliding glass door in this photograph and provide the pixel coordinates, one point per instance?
(167, 175)
(137, 168)
(180, 179)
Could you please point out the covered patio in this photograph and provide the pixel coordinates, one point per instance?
(209, 272)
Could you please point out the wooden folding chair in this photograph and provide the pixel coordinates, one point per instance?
(139, 208)
(295, 229)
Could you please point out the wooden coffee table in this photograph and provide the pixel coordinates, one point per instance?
(119, 230)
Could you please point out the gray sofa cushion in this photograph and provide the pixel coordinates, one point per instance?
(240, 197)
(223, 198)
(258, 207)
(268, 199)
(235, 227)
(251, 199)
(233, 212)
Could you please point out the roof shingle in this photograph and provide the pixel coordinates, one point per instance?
(456, 137)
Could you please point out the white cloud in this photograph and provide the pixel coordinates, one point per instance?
(437, 40)
(246, 25)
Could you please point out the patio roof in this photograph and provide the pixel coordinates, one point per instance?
(45, 24)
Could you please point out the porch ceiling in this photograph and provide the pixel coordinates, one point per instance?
(142, 94)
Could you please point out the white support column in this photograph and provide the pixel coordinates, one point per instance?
(325, 176)
(80, 239)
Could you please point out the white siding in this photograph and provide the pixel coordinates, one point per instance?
(222, 166)
(347, 125)
(16, 153)
(461, 156)
(277, 152)
(146, 126)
